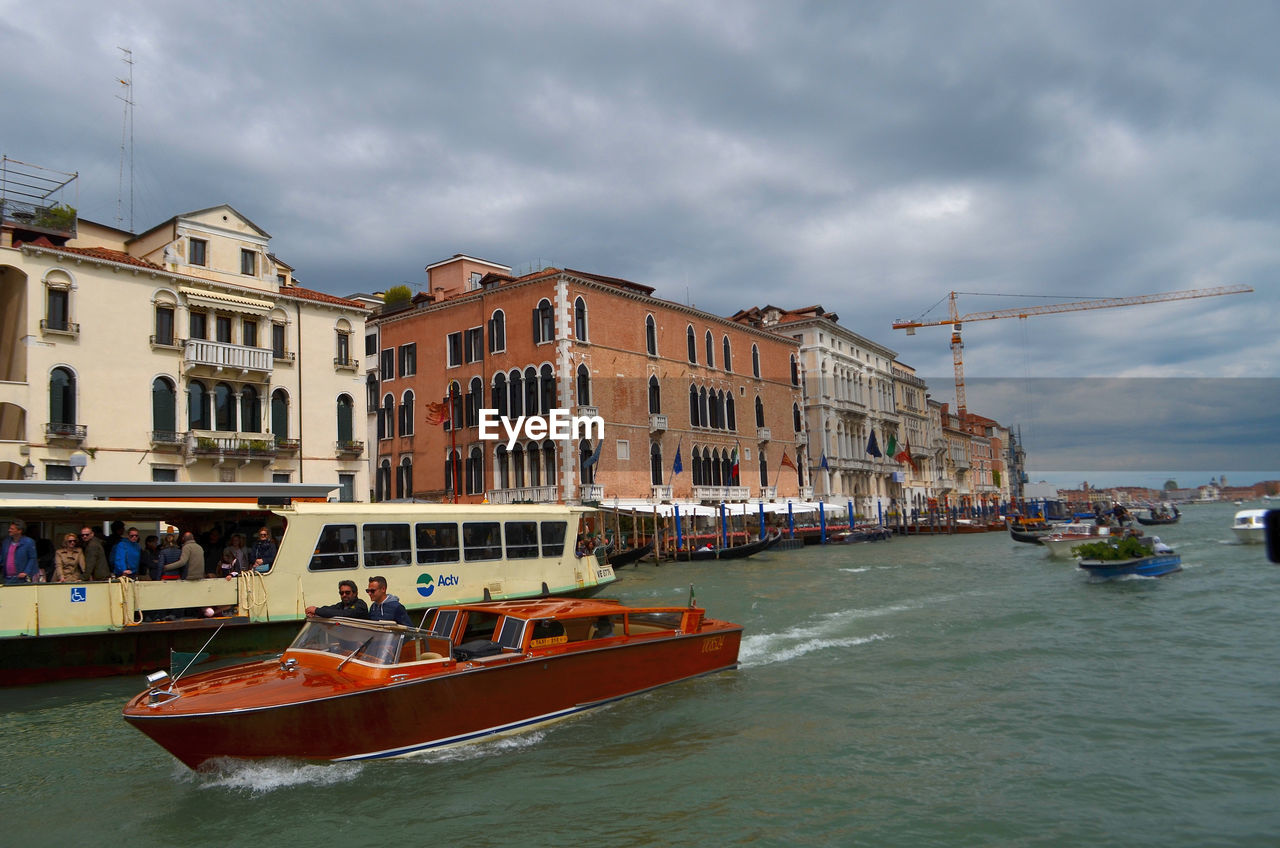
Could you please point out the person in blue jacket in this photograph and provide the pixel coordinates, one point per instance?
(263, 552)
(126, 556)
(18, 554)
(384, 607)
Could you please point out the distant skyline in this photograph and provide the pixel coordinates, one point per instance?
(1148, 479)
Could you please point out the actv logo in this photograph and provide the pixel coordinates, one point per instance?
(559, 425)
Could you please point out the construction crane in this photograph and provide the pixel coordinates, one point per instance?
(956, 320)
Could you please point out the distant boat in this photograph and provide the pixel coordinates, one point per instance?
(735, 552)
(1159, 517)
(630, 555)
(1156, 565)
(1250, 526)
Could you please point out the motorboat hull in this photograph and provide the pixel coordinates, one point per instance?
(1157, 565)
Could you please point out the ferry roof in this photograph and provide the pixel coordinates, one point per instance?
(120, 490)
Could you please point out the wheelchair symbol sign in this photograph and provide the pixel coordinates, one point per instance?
(79, 594)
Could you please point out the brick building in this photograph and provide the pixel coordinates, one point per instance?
(664, 377)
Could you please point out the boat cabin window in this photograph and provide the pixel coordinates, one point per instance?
(361, 644)
(437, 542)
(443, 625)
(481, 540)
(553, 533)
(522, 539)
(512, 633)
(546, 632)
(387, 545)
(336, 548)
(418, 648)
(650, 622)
(480, 625)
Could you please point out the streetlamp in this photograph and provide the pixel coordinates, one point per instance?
(29, 471)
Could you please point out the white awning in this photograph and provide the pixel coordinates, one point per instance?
(221, 300)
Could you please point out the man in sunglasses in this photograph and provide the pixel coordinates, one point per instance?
(95, 556)
(349, 605)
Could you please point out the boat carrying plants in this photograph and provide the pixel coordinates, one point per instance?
(1130, 547)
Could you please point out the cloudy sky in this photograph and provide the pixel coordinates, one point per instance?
(865, 156)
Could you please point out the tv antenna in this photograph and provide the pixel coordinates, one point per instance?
(126, 136)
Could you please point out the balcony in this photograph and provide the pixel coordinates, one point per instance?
(222, 357)
(717, 494)
(346, 364)
(662, 494)
(349, 449)
(168, 440)
(59, 328)
(590, 492)
(657, 423)
(806, 493)
(289, 446)
(769, 493)
(59, 432)
(763, 434)
(223, 447)
(586, 411)
(523, 494)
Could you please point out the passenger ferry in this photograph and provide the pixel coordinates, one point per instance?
(430, 554)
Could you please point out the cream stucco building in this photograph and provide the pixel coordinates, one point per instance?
(184, 353)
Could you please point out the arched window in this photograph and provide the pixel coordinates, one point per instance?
(695, 463)
(452, 470)
(764, 469)
(726, 354)
(224, 408)
(455, 404)
(372, 390)
(475, 397)
(535, 465)
(404, 483)
(498, 331)
(345, 418)
(389, 416)
(501, 467)
(730, 419)
(198, 406)
(717, 468)
(655, 396)
(499, 394)
(164, 408)
(584, 386)
(549, 462)
(655, 464)
(759, 412)
(250, 411)
(515, 385)
(692, 343)
(726, 468)
(547, 387)
(651, 335)
(382, 481)
(517, 465)
(713, 408)
(475, 471)
(704, 414)
(280, 414)
(406, 413)
(755, 361)
(694, 420)
(795, 417)
(795, 370)
(580, 320)
(587, 472)
(543, 326)
(706, 468)
(711, 350)
(530, 391)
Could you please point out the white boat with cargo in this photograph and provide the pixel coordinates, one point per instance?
(430, 554)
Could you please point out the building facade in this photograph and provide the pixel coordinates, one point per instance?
(186, 353)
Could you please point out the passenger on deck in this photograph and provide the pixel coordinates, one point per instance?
(190, 565)
(95, 556)
(384, 607)
(126, 556)
(263, 553)
(169, 552)
(18, 553)
(349, 605)
(68, 562)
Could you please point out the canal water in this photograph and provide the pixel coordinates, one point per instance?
(962, 690)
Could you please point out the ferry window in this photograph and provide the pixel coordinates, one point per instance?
(335, 548)
(553, 533)
(512, 633)
(443, 625)
(522, 539)
(482, 540)
(386, 544)
(437, 542)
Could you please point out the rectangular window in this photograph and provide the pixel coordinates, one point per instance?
(199, 325)
(336, 547)
(222, 328)
(481, 540)
(164, 475)
(408, 360)
(58, 309)
(512, 633)
(386, 545)
(248, 262)
(437, 542)
(277, 341)
(475, 344)
(371, 344)
(59, 472)
(279, 477)
(553, 533)
(454, 348)
(164, 325)
(522, 539)
(197, 251)
(346, 488)
(249, 333)
(387, 365)
(343, 356)
(624, 449)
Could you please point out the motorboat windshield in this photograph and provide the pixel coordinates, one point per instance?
(366, 644)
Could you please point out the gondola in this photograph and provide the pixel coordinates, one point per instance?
(630, 555)
(735, 552)
(1168, 519)
(1029, 538)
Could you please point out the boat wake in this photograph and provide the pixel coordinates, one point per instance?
(766, 649)
(262, 776)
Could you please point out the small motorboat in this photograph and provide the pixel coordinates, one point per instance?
(1067, 536)
(1156, 565)
(1250, 526)
(355, 690)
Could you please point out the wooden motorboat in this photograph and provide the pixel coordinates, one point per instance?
(734, 552)
(352, 690)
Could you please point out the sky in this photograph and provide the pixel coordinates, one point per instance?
(869, 157)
